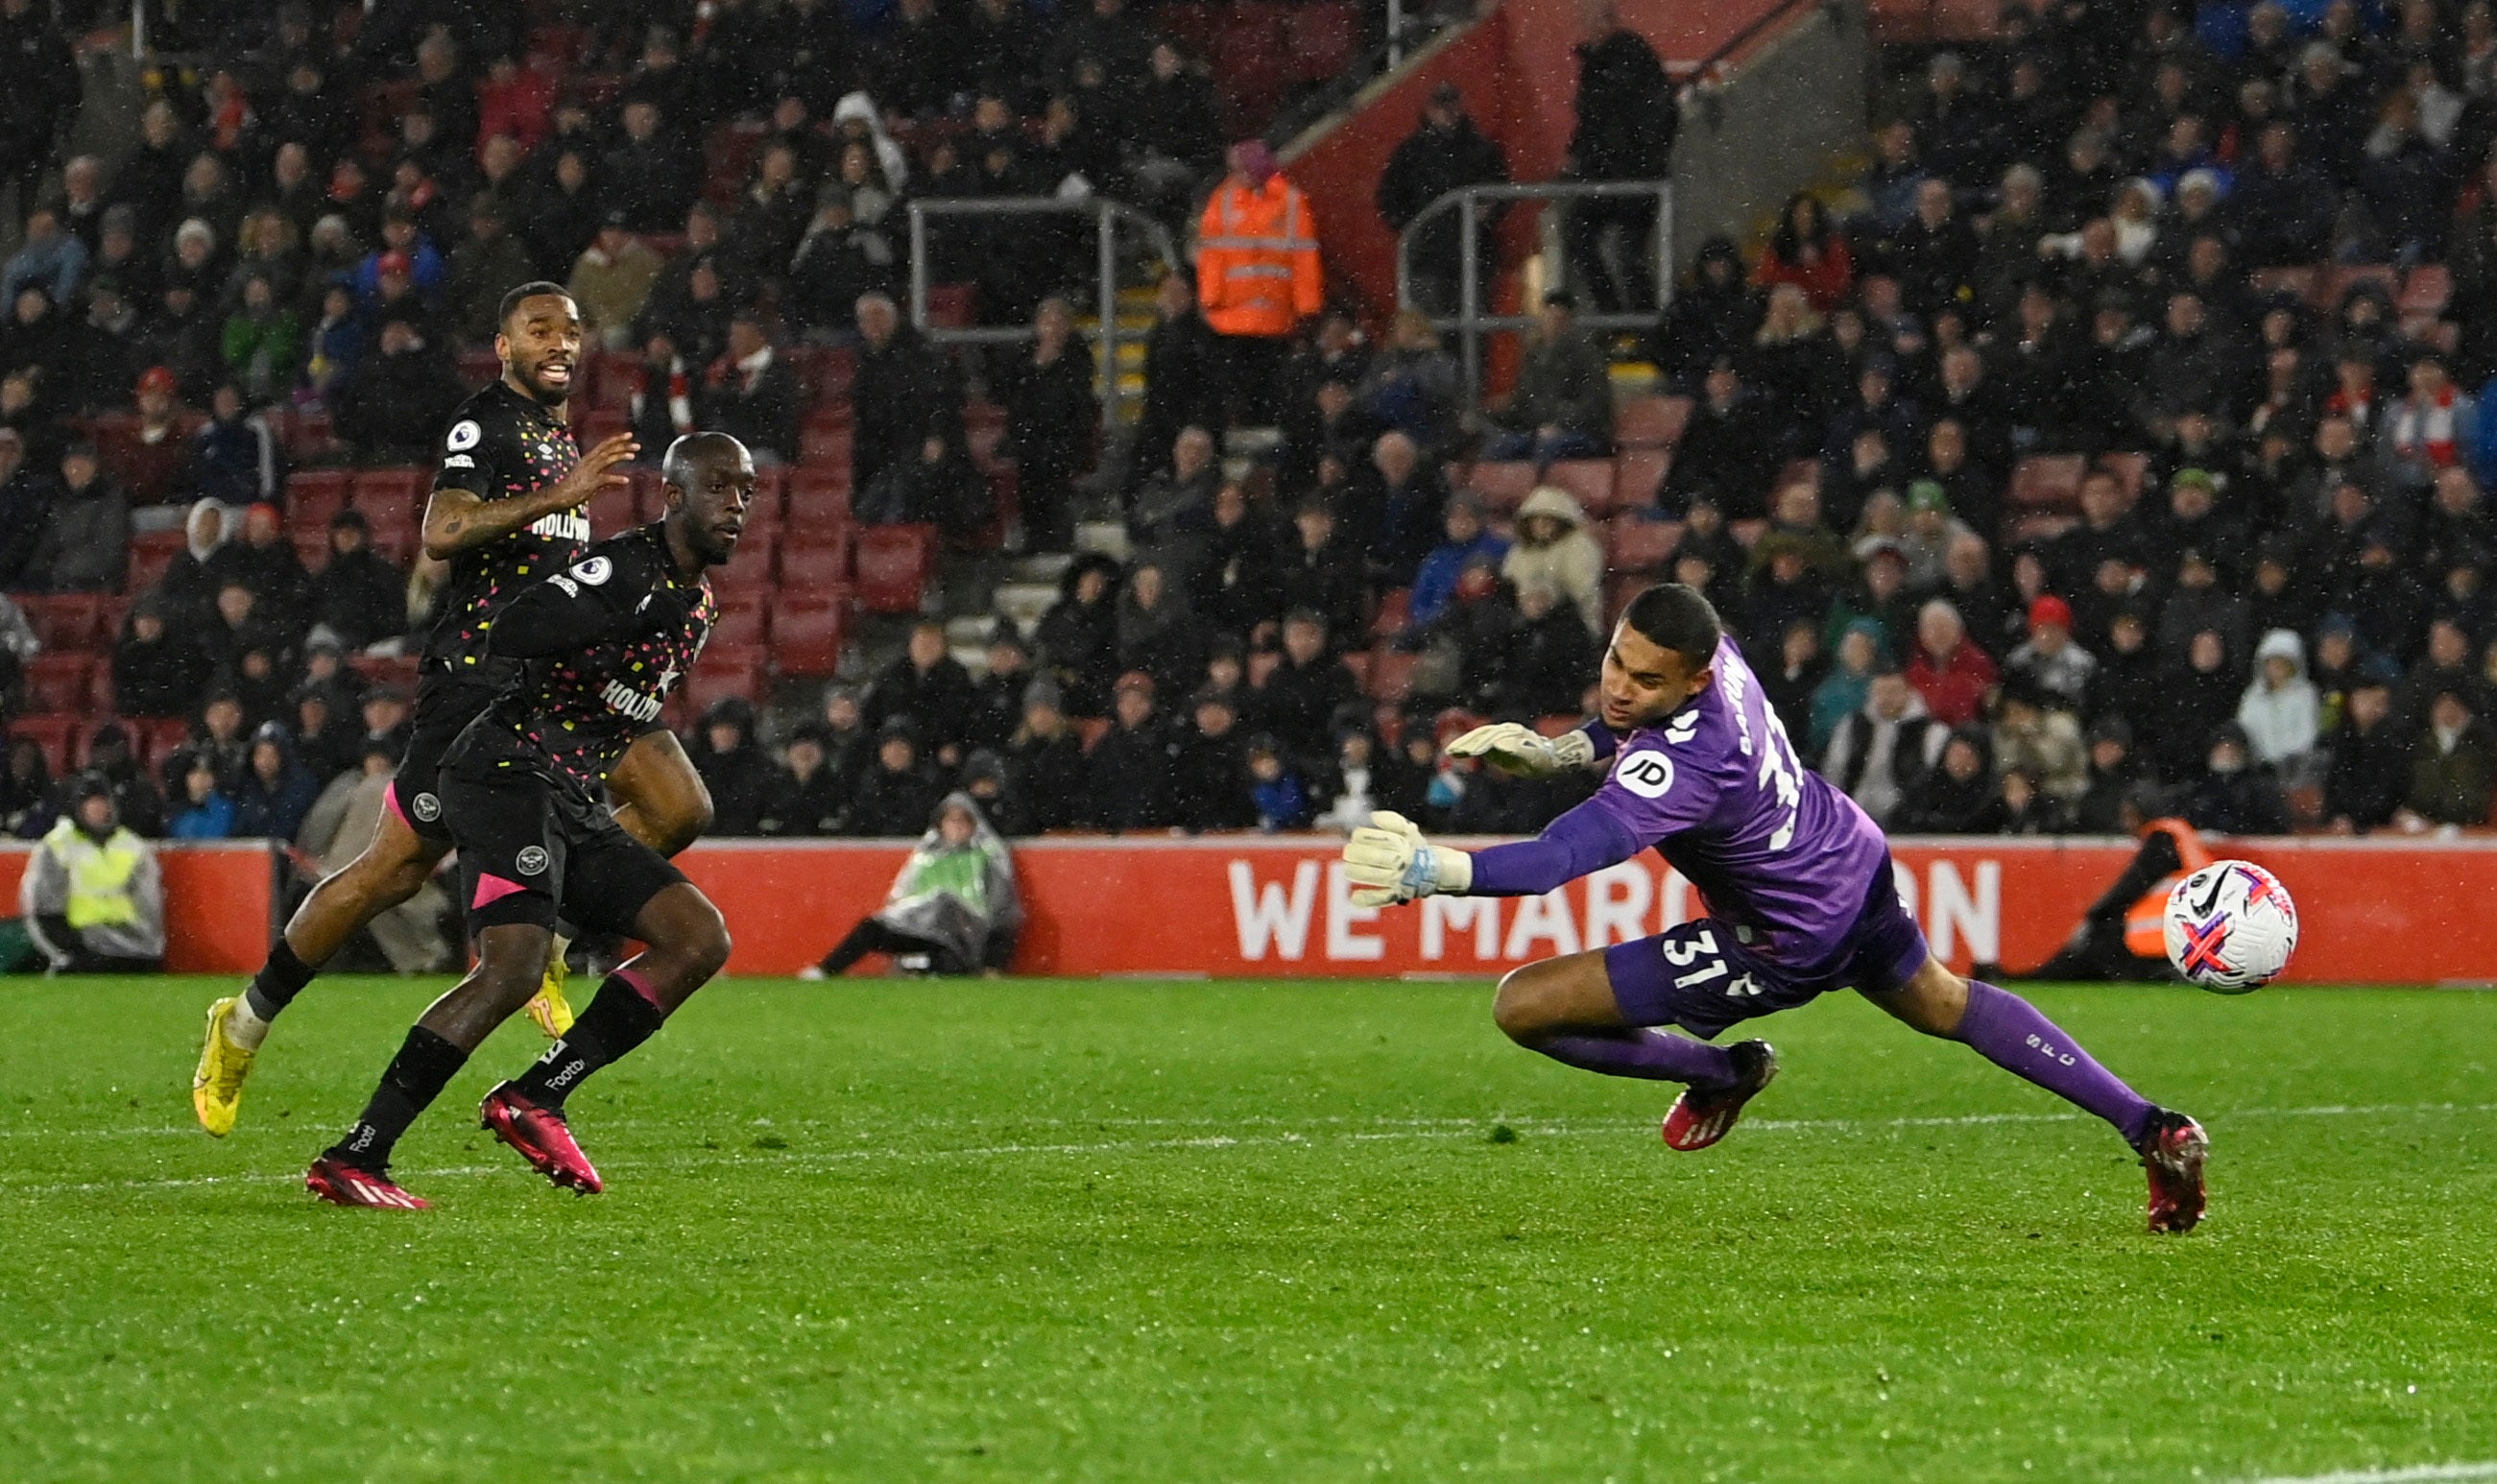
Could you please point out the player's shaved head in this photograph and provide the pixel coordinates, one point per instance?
(693, 457)
(708, 477)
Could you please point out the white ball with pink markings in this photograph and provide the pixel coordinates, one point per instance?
(2232, 927)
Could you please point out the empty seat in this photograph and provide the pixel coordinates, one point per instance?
(894, 564)
(816, 566)
(1650, 422)
(313, 496)
(64, 623)
(820, 446)
(2047, 481)
(2426, 291)
(1588, 481)
(149, 555)
(57, 684)
(398, 670)
(1639, 474)
(806, 633)
(311, 549)
(158, 736)
(751, 567)
(740, 623)
(724, 672)
(1500, 485)
(1636, 545)
(1320, 39)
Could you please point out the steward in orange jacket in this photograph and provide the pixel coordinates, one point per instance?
(2124, 933)
(1257, 251)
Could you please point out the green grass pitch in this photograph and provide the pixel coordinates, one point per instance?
(1031, 1231)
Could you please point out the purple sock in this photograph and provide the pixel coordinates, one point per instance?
(2009, 1031)
(1652, 1054)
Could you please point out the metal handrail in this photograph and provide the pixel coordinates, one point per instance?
(1106, 215)
(1469, 321)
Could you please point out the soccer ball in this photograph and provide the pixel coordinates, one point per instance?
(2230, 927)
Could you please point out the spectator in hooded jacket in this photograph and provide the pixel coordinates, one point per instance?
(2280, 711)
(1553, 546)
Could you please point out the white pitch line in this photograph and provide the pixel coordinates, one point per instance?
(2420, 1474)
(1402, 1130)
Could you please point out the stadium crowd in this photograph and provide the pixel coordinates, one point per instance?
(2120, 447)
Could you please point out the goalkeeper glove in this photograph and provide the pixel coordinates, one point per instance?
(1388, 862)
(1522, 752)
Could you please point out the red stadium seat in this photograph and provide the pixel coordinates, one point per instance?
(722, 673)
(593, 426)
(57, 685)
(1321, 37)
(389, 496)
(806, 633)
(2047, 481)
(52, 734)
(1637, 545)
(1650, 422)
(99, 698)
(158, 736)
(2426, 291)
(149, 555)
(953, 306)
(770, 495)
(893, 565)
(64, 623)
(816, 564)
(398, 669)
(311, 549)
(742, 621)
(1637, 475)
(313, 496)
(819, 499)
(1395, 611)
(1588, 481)
(1358, 662)
(824, 446)
(2297, 282)
(2332, 284)
(751, 567)
(1500, 487)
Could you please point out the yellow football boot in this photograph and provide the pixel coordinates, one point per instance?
(216, 1087)
(548, 1009)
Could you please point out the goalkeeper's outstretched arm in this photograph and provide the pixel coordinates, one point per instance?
(1389, 861)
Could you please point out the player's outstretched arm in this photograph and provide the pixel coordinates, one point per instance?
(458, 519)
(1522, 752)
(1580, 842)
(1388, 862)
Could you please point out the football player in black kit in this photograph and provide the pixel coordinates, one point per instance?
(603, 640)
(507, 508)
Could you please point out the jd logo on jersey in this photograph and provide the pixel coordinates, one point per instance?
(1648, 775)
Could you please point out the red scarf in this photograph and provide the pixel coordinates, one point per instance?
(2425, 432)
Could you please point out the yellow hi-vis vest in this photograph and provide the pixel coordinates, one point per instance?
(99, 874)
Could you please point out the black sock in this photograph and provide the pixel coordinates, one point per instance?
(279, 982)
(425, 1066)
(618, 1020)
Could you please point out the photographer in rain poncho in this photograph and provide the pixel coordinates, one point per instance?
(952, 910)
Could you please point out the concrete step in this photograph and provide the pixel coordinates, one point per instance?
(1105, 538)
(1038, 567)
(1026, 603)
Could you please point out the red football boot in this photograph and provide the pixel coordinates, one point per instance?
(2172, 1153)
(341, 1184)
(541, 1137)
(1702, 1116)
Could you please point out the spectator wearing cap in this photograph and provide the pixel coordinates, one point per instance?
(1047, 759)
(1210, 774)
(1321, 572)
(929, 687)
(2051, 660)
(1445, 154)
(262, 346)
(899, 792)
(85, 542)
(2192, 518)
(612, 280)
(1561, 406)
(92, 897)
(2370, 773)
(1127, 774)
(1932, 528)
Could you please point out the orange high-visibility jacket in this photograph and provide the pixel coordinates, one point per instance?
(2145, 922)
(1257, 259)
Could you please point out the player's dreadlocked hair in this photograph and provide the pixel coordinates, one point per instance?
(511, 301)
(1676, 617)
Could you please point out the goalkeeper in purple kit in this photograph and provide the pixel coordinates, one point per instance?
(1798, 886)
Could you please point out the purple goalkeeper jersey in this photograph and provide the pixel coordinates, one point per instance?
(1717, 791)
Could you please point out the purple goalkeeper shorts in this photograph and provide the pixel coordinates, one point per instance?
(1706, 974)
